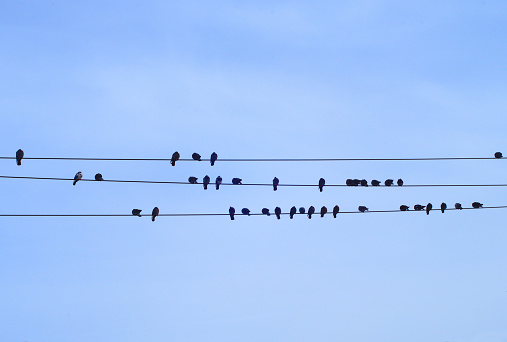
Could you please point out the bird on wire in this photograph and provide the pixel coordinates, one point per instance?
(322, 182)
(205, 182)
(213, 158)
(477, 205)
(218, 181)
(265, 211)
(498, 155)
(362, 208)
(301, 210)
(98, 177)
(429, 206)
(192, 180)
(19, 155)
(174, 158)
(236, 181)
(154, 213)
(136, 212)
(404, 207)
(336, 210)
(292, 212)
(77, 177)
(443, 206)
(364, 182)
(419, 207)
(311, 211)
(349, 182)
(400, 182)
(196, 156)
(458, 206)
(278, 212)
(375, 182)
(323, 211)
(388, 182)
(245, 211)
(231, 212)
(276, 181)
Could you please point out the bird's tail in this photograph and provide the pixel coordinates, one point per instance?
(275, 188)
(74, 182)
(212, 163)
(153, 218)
(205, 186)
(18, 162)
(320, 189)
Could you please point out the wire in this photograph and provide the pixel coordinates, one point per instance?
(255, 184)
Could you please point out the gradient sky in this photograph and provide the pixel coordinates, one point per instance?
(291, 79)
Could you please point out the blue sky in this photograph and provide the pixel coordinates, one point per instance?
(293, 79)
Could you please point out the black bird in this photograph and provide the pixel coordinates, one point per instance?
(265, 211)
(388, 182)
(192, 180)
(311, 211)
(136, 212)
(477, 205)
(196, 156)
(419, 207)
(19, 155)
(323, 211)
(218, 181)
(245, 211)
(458, 206)
(174, 158)
(364, 182)
(400, 182)
(497, 155)
(205, 182)
(301, 210)
(357, 182)
(213, 158)
(98, 177)
(278, 212)
(276, 181)
(336, 209)
(375, 182)
(236, 181)
(362, 208)
(322, 182)
(443, 206)
(231, 212)
(77, 177)
(429, 206)
(154, 213)
(404, 207)
(349, 182)
(292, 212)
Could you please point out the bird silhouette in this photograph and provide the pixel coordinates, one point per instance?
(136, 212)
(98, 177)
(364, 182)
(357, 182)
(388, 182)
(278, 212)
(77, 177)
(154, 213)
(196, 156)
(429, 206)
(218, 181)
(323, 211)
(265, 211)
(174, 158)
(231, 212)
(19, 155)
(205, 182)
(336, 209)
(236, 181)
(245, 211)
(362, 208)
(213, 158)
(400, 182)
(497, 155)
(292, 212)
(404, 207)
(349, 182)
(276, 181)
(192, 180)
(443, 206)
(477, 205)
(419, 207)
(457, 206)
(311, 211)
(301, 210)
(375, 182)
(322, 182)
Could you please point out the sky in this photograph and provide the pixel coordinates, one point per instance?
(252, 79)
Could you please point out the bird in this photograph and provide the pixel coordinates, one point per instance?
(292, 212)
(404, 207)
(400, 182)
(388, 182)
(205, 182)
(192, 180)
(336, 209)
(349, 182)
(154, 213)
(136, 212)
(276, 181)
(375, 182)
(218, 181)
(245, 211)
(19, 155)
(301, 210)
(362, 208)
(322, 182)
(497, 155)
(429, 206)
(196, 156)
(231, 212)
(213, 158)
(364, 182)
(174, 158)
(477, 205)
(265, 211)
(418, 207)
(311, 210)
(98, 177)
(278, 212)
(356, 182)
(236, 181)
(77, 177)
(458, 206)
(443, 206)
(323, 211)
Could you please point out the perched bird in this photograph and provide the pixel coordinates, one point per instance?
(419, 207)
(357, 182)
(205, 182)
(231, 212)
(323, 211)
(276, 181)
(245, 211)
(364, 182)
(362, 208)
(458, 206)
(497, 155)
(336, 209)
(77, 177)
(443, 206)
(400, 182)
(404, 207)
(349, 182)
(236, 181)
(154, 213)
(477, 205)
(429, 206)
(278, 212)
(192, 180)
(292, 212)
(174, 158)
(19, 155)
(265, 211)
(196, 156)
(213, 158)
(388, 182)
(322, 182)
(311, 211)
(301, 210)
(218, 181)
(375, 182)
(98, 177)
(136, 212)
